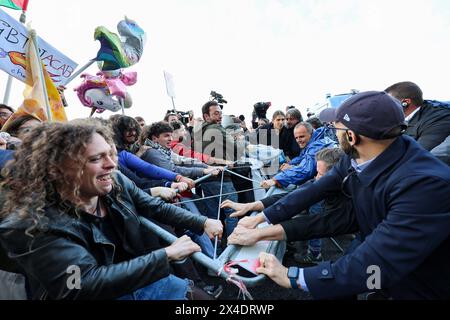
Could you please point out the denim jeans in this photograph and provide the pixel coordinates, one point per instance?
(168, 288)
(212, 188)
(12, 286)
(315, 245)
(202, 240)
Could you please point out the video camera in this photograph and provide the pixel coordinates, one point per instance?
(183, 116)
(259, 112)
(218, 98)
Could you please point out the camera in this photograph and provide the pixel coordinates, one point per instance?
(183, 116)
(259, 112)
(218, 98)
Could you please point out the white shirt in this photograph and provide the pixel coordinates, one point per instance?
(408, 118)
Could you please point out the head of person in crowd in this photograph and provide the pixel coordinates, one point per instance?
(262, 122)
(140, 120)
(212, 113)
(278, 119)
(315, 122)
(232, 126)
(126, 131)
(303, 132)
(289, 108)
(5, 113)
(293, 117)
(114, 117)
(171, 116)
(179, 131)
(408, 93)
(21, 125)
(59, 163)
(160, 133)
(326, 159)
(366, 122)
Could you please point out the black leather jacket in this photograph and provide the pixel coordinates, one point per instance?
(65, 241)
(430, 126)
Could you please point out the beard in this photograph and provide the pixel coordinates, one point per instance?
(348, 148)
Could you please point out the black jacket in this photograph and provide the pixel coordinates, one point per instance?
(402, 209)
(338, 218)
(288, 144)
(65, 241)
(430, 126)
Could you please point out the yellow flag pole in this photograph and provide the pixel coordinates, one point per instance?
(33, 37)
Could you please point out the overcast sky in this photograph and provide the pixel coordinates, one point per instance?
(289, 52)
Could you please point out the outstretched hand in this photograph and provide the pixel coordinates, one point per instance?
(240, 208)
(243, 236)
(271, 267)
(213, 228)
(267, 184)
(181, 248)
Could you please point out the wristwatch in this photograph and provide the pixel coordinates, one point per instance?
(292, 274)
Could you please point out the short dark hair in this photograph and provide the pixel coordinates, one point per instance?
(176, 125)
(406, 90)
(158, 128)
(170, 113)
(206, 106)
(315, 122)
(4, 106)
(295, 113)
(330, 156)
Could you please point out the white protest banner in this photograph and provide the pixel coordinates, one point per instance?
(170, 85)
(13, 40)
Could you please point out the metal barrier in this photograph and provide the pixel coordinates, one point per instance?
(276, 248)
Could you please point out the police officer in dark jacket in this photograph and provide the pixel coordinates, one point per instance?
(429, 125)
(401, 208)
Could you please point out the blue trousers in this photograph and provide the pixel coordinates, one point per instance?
(168, 288)
(202, 240)
(315, 245)
(212, 188)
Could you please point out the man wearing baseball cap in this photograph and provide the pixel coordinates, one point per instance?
(401, 208)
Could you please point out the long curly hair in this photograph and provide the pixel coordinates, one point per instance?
(121, 124)
(47, 169)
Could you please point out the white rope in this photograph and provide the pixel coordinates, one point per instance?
(212, 197)
(216, 239)
(241, 176)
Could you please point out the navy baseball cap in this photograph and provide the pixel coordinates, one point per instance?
(372, 114)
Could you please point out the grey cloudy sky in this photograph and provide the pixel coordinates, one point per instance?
(287, 52)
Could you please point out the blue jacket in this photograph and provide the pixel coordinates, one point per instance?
(5, 156)
(402, 207)
(143, 168)
(305, 163)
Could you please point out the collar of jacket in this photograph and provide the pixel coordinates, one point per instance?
(386, 159)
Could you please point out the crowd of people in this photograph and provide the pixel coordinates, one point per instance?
(377, 167)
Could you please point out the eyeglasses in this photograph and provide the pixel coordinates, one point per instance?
(330, 126)
(5, 115)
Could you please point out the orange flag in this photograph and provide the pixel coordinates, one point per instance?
(34, 97)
